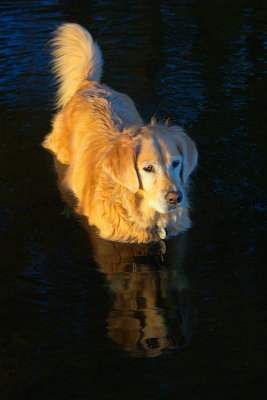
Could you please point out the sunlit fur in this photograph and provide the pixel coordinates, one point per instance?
(100, 136)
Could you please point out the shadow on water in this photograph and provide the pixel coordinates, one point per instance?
(74, 308)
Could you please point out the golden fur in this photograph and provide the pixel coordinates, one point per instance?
(100, 137)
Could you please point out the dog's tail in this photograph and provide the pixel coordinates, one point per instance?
(76, 57)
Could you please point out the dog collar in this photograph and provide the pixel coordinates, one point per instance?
(162, 232)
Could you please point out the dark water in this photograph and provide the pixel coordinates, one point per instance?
(88, 319)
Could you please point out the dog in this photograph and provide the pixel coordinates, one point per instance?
(129, 179)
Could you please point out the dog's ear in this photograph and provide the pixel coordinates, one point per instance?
(119, 164)
(188, 150)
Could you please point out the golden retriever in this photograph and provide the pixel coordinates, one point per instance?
(129, 178)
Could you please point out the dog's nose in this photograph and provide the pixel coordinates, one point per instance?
(174, 197)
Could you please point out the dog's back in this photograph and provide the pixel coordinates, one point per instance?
(82, 101)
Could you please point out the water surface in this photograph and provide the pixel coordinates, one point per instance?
(87, 319)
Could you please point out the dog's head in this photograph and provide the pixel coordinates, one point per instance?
(155, 163)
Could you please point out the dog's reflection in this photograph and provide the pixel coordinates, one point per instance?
(151, 311)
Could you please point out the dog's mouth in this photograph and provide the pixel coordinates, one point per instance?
(164, 208)
(173, 206)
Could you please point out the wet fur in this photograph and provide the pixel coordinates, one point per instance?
(100, 137)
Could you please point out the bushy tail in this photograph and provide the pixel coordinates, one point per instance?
(76, 57)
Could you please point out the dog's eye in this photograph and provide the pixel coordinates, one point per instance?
(175, 164)
(149, 168)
